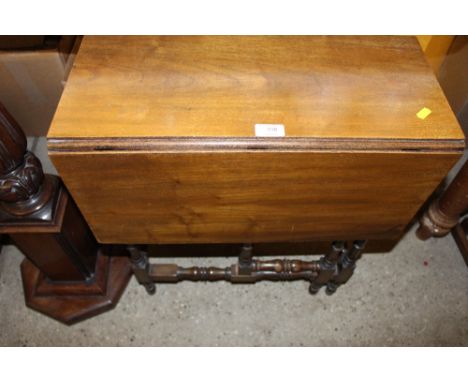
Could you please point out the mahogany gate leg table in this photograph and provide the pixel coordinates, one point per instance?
(232, 139)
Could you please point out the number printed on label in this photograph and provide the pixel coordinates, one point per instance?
(269, 130)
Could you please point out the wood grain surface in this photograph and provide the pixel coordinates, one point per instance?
(221, 86)
(250, 196)
(154, 137)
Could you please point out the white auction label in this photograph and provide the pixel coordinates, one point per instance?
(269, 130)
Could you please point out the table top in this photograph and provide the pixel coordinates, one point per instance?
(222, 86)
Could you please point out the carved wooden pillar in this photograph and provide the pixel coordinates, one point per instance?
(65, 274)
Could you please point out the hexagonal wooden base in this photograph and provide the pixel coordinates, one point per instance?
(72, 302)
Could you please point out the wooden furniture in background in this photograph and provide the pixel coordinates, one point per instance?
(435, 48)
(65, 275)
(33, 71)
(453, 78)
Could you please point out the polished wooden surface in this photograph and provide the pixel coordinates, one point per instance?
(245, 196)
(154, 137)
(221, 86)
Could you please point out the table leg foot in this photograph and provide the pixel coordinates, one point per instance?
(313, 289)
(71, 302)
(346, 266)
(331, 288)
(140, 266)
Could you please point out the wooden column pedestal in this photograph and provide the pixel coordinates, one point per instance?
(73, 302)
(66, 275)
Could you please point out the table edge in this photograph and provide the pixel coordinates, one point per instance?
(192, 144)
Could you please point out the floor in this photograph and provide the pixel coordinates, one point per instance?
(415, 295)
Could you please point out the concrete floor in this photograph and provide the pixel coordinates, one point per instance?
(415, 295)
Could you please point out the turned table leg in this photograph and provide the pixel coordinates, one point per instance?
(328, 267)
(443, 214)
(65, 274)
(140, 265)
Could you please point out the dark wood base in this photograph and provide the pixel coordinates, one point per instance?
(71, 302)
